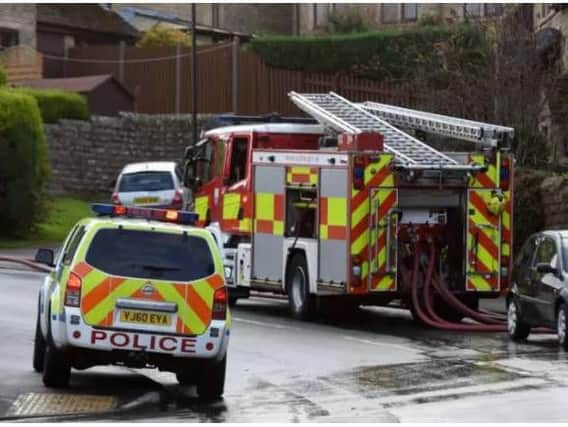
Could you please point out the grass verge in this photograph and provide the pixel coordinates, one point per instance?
(61, 214)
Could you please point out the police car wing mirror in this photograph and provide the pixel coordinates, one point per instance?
(44, 256)
(545, 268)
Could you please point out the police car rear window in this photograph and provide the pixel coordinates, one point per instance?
(146, 181)
(151, 255)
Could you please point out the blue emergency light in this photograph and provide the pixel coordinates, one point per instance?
(165, 215)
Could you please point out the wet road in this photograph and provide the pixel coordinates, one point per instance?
(376, 366)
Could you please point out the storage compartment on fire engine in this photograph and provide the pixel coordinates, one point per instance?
(301, 210)
(440, 214)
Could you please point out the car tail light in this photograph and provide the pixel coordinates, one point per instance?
(220, 304)
(73, 291)
(177, 203)
(115, 199)
(355, 271)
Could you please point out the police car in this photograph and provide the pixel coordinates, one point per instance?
(136, 287)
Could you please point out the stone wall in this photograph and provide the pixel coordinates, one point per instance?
(20, 18)
(85, 157)
(554, 194)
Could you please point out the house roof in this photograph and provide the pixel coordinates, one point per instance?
(89, 17)
(153, 16)
(82, 85)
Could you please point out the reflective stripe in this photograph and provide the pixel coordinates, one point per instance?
(235, 216)
(483, 243)
(384, 250)
(201, 204)
(302, 175)
(269, 214)
(488, 179)
(100, 293)
(333, 218)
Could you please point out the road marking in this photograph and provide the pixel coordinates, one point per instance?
(265, 324)
(382, 344)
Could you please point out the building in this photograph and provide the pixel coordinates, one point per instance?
(17, 25)
(311, 17)
(63, 26)
(551, 33)
(105, 95)
(178, 17)
(214, 21)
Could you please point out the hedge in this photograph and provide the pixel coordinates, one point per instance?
(24, 164)
(394, 54)
(57, 104)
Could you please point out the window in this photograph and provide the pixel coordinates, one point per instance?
(151, 255)
(526, 254)
(239, 155)
(73, 245)
(389, 13)
(493, 9)
(301, 209)
(472, 10)
(409, 11)
(146, 181)
(219, 156)
(546, 252)
(8, 38)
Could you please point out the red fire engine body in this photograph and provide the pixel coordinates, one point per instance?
(335, 211)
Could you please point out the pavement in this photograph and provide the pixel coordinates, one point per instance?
(376, 366)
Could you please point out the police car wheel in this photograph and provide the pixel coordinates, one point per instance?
(211, 381)
(297, 283)
(56, 368)
(39, 348)
(518, 330)
(185, 378)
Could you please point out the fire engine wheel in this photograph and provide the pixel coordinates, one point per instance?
(518, 330)
(186, 378)
(39, 348)
(56, 368)
(211, 380)
(298, 286)
(562, 326)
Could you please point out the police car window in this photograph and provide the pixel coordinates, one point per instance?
(73, 245)
(146, 181)
(151, 255)
(526, 255)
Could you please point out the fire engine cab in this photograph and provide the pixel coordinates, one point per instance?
(353, 209)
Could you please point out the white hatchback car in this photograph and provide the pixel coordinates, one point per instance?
(150, 184)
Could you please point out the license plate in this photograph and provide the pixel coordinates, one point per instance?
(145, 200)
(145, 318)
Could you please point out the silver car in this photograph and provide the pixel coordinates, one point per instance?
(150, 184)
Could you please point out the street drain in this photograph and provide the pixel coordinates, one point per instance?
(60, 404)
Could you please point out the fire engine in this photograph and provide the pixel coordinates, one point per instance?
(350, 208)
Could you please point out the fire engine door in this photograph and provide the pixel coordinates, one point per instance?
(235, 206)
(383, 245)
(483, 242)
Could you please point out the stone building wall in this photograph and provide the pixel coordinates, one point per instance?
(85, 157)
(20, 18)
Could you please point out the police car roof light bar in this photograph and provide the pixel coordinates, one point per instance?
(164, 215)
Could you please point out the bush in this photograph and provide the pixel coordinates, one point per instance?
(160, 36)
(55, 105)
(23, 161)
(3, 78)
(398, 54)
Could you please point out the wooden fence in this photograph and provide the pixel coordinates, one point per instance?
(21, 63)
(228, 80)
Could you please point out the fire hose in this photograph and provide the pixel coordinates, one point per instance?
(26, 262)
(488, 321)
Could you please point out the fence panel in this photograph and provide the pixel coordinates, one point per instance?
(161, 82)
(21, 63)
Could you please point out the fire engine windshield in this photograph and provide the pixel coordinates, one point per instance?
(151, 255)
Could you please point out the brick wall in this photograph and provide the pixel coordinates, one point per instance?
(86, 156)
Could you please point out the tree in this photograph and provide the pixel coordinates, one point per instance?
(160, 36)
